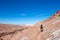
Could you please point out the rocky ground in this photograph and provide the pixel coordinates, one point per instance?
(51, 30)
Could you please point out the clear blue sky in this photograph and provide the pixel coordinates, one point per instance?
(27, 11)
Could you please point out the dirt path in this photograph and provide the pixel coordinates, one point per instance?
(27, 34)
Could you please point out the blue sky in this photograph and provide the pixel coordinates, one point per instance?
(27, 11)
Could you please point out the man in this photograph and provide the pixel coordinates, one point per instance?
(41, 27)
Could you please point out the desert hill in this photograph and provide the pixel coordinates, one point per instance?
(51, 30)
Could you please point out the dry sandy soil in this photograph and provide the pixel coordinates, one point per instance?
(51, 30)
